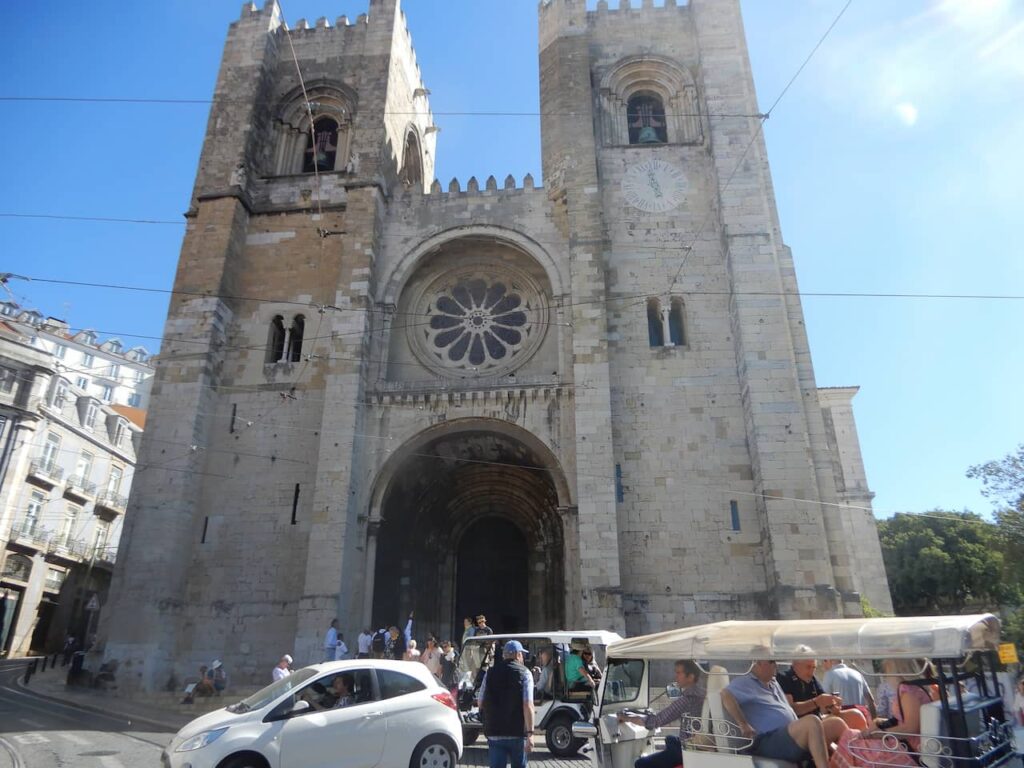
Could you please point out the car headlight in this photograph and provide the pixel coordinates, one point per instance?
(200, 740)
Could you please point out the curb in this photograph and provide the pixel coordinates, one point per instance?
(16, 761)
(108, 711)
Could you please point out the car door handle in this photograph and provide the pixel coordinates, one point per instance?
(371, 715)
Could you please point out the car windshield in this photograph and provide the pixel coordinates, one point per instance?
(273, 691)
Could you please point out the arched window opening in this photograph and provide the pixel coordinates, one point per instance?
(412, 162)
(675, 323)
(322, 152)
(295, 339)
(645, 115)
(655, 330)
(275, 342)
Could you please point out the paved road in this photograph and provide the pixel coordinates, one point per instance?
(36, 732)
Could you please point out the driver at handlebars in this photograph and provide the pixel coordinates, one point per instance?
(756, 703)
(687, 705)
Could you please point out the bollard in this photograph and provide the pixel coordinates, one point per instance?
(44, 664)
(30, 669)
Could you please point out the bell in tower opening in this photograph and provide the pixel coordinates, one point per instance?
(646, 119)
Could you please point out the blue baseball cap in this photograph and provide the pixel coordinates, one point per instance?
(514, 646)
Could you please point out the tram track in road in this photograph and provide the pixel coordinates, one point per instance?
(24, 701)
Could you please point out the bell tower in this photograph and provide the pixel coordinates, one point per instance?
(687, 319)
(312, 130)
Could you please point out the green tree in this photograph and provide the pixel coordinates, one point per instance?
(1003, 479)
(943, 562)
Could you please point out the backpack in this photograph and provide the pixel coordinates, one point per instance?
(378, 645)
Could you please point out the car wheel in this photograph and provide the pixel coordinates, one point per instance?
(470, 735)
(558, 736)
(245, 760)
(434, 752)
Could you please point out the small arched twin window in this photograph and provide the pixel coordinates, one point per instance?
(665, 327)
(284, 344)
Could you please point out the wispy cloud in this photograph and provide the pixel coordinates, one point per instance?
(907, 112)
(918, 67)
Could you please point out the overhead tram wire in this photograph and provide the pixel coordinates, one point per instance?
(761, 120)
(387, 113)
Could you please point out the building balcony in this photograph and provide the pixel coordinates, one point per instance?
(54, 583)
(30, 535)
(45, 473)
(67, 548)
(111, 502)
(80, 488)
(104, 557)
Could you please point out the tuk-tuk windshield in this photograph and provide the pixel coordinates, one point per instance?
(474, 655)
(622, 680)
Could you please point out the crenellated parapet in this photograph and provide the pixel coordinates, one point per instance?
(670, 6)
(472, 189)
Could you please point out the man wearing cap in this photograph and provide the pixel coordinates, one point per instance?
(506, 706)
(283, 668)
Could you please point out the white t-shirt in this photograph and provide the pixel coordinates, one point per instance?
(341, 651)
(364, 640)
(281, 674)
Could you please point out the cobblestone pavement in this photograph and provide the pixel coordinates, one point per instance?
(476, 755)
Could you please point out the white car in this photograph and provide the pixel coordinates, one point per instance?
(342, 714)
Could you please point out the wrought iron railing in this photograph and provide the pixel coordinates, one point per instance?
(79, 485)
(47, 469)
(114, 501)
(30, 531)
(63, 544)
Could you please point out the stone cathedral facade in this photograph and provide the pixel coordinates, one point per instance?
(583, 403)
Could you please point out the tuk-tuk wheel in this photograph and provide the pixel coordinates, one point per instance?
(470, 735)
(558, 736)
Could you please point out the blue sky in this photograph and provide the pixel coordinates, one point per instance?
(896, 160)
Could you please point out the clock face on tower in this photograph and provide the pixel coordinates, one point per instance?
(654, 186)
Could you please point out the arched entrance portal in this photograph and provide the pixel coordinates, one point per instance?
(469, 524)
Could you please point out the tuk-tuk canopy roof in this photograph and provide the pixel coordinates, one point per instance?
(592, 636)
(936, 637)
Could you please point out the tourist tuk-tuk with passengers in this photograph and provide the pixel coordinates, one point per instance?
(964, 728)
(555, 710)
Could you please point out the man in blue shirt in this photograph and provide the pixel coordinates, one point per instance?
(759, 707)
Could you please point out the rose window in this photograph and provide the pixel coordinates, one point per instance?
(478, 323)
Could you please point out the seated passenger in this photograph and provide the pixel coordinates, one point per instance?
(756, 703)
(576, 674)
(591, 666)
(683, 708)
(911, 696)
(542, 675)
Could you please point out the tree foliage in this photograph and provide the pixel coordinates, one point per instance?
(944, 562)
(1002, 479)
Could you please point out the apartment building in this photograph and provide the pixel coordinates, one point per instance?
(70, 421)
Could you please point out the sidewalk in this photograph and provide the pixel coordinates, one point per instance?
(164, 716)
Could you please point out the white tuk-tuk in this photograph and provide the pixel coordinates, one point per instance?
(557, 704)
(964, 728)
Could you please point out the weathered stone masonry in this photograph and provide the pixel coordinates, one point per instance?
(584, 403)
